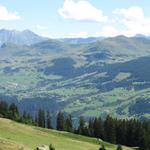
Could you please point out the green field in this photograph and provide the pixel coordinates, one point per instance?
(15, 136)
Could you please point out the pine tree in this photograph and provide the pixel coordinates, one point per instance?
(3, 109)
(49, 125)
(98, 128)
(36, 120)
(41, 118)
(13, 112)
(24, 118)
(91, 127)
(146, 144)
(110, 129)
(68, 124)
(24, 115)
(60, 122)
(82, 128)
(30, 119)
(131, 132)
(121, 130)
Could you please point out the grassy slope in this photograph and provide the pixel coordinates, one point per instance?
(14, 136)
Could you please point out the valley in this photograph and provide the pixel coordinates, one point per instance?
(110, 76)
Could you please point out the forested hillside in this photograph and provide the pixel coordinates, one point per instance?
(110, 76)
(131, 132)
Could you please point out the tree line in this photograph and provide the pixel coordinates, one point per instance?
(130, 132)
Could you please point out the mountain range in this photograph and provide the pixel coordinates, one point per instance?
(25, 37)
(81, 40)
(96, 77)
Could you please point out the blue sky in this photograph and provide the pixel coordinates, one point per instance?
(77, 18)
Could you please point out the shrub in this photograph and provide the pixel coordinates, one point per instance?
(51, 147)
(119, 147)
(102, 148)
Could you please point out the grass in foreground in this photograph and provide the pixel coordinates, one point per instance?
(15, 136)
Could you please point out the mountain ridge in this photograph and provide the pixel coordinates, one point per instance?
(106, 77)
(25, 37)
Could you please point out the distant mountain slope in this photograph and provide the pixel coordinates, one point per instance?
(81, 40)
(142, 36)
(122, 45)
(25, 37)
(51, 45)
(110, 76)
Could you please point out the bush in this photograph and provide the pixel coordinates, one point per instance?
(51, 147)
(102, 148)
(119, 147)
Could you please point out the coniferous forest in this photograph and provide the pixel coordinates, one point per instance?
(130, 132)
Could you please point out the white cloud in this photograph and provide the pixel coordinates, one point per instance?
(7, 15)
(81, 10)
(39, 27)
(123, 21)
(109, 31)
(132, 13)
(133, 20)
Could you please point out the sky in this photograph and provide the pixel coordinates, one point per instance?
(77, 18)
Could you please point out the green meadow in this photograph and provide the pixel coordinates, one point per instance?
(15, 136)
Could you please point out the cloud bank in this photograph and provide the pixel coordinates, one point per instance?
(133, 20)
(126, 21)
(6, 15)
